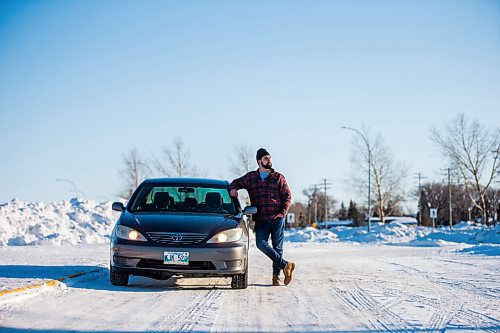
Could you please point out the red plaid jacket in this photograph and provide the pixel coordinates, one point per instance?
(271, 196)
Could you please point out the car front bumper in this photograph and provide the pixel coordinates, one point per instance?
(210, 261)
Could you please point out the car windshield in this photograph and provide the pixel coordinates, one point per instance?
(183, 198)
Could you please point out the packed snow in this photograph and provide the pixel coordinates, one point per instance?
(337, 287)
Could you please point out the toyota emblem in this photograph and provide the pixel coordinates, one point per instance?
(177, 237)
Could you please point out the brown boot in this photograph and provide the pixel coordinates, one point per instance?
(288, 270)
(276, 281)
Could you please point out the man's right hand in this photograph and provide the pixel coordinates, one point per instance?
(233, 193)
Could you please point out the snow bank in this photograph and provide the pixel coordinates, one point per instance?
(66, 222)
(310, 235)
(401, 234)
(393, 232)
(485, 249)
(464, 232)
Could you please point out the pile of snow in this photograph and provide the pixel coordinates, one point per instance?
(66, 222)
(485, 249)
(464, 232)
(403, 234)
(380, 233)
(310, 235)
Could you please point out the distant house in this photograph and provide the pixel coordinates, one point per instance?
(336, 223)
(408, 220)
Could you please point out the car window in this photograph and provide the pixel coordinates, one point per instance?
(183, 198)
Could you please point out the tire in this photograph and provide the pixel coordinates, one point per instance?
(117, 278)
(240, 281)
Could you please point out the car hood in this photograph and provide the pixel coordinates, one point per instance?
(187, 222)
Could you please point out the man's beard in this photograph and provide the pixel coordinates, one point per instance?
(268, 166)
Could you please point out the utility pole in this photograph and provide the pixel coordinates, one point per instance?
(420, 177)
(450, 206)
(369, 173)
(449, 196)
(326, 185)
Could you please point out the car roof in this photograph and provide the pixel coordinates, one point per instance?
(191, 181)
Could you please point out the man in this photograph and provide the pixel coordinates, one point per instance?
(268, 192)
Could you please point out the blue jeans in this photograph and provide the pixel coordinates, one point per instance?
(275, 229)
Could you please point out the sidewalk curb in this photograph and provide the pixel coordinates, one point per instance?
(50, 283)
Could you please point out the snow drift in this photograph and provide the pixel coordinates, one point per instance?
(66, 222)
(485, 239)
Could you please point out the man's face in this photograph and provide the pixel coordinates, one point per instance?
(266, 162)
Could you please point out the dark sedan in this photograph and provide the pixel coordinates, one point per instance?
(181, 226)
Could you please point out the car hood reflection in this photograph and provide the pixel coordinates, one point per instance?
(181, 222)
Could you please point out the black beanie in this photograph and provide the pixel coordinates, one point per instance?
(261, 153)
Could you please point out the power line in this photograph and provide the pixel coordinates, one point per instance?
(74, 189)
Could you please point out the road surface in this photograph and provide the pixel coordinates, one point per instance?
(337, 287)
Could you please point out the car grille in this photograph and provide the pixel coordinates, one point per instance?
(193, 265)
(177, 238)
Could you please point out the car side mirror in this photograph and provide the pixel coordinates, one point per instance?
(249, 210)
(118, 206)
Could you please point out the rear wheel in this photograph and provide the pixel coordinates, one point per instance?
(118, 278)
(240, 281)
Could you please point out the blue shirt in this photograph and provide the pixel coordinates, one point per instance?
(263, 175)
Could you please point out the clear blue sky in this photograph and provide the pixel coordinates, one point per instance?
(81, 82)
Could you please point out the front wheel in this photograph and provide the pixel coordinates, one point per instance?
(240, 281)
(117, 278)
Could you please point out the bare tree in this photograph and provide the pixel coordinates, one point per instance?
(493, 196)
(323, 200)
(436, 195)
(133, 172)
(175, 161)
(387, 175)
(300, 211)
(474, 151)
(242, 161)
(312, 204)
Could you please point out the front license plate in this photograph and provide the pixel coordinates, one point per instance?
(176, 258)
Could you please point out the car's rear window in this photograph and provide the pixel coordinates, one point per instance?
(183, 198)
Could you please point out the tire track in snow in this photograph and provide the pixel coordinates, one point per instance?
(199, 312)
(470, 318)
(303, 300)
(442, 318)
(439, 320)
(359, 303)
(308, 318)
(486, 292)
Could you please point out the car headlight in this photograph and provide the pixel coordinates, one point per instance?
(231, 235)
(127, 233)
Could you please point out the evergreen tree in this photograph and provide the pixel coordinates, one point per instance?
(342, 212)
(353, 213)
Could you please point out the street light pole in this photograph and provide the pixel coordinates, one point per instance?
(369, 173)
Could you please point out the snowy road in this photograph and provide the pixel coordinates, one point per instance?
(338, 287)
